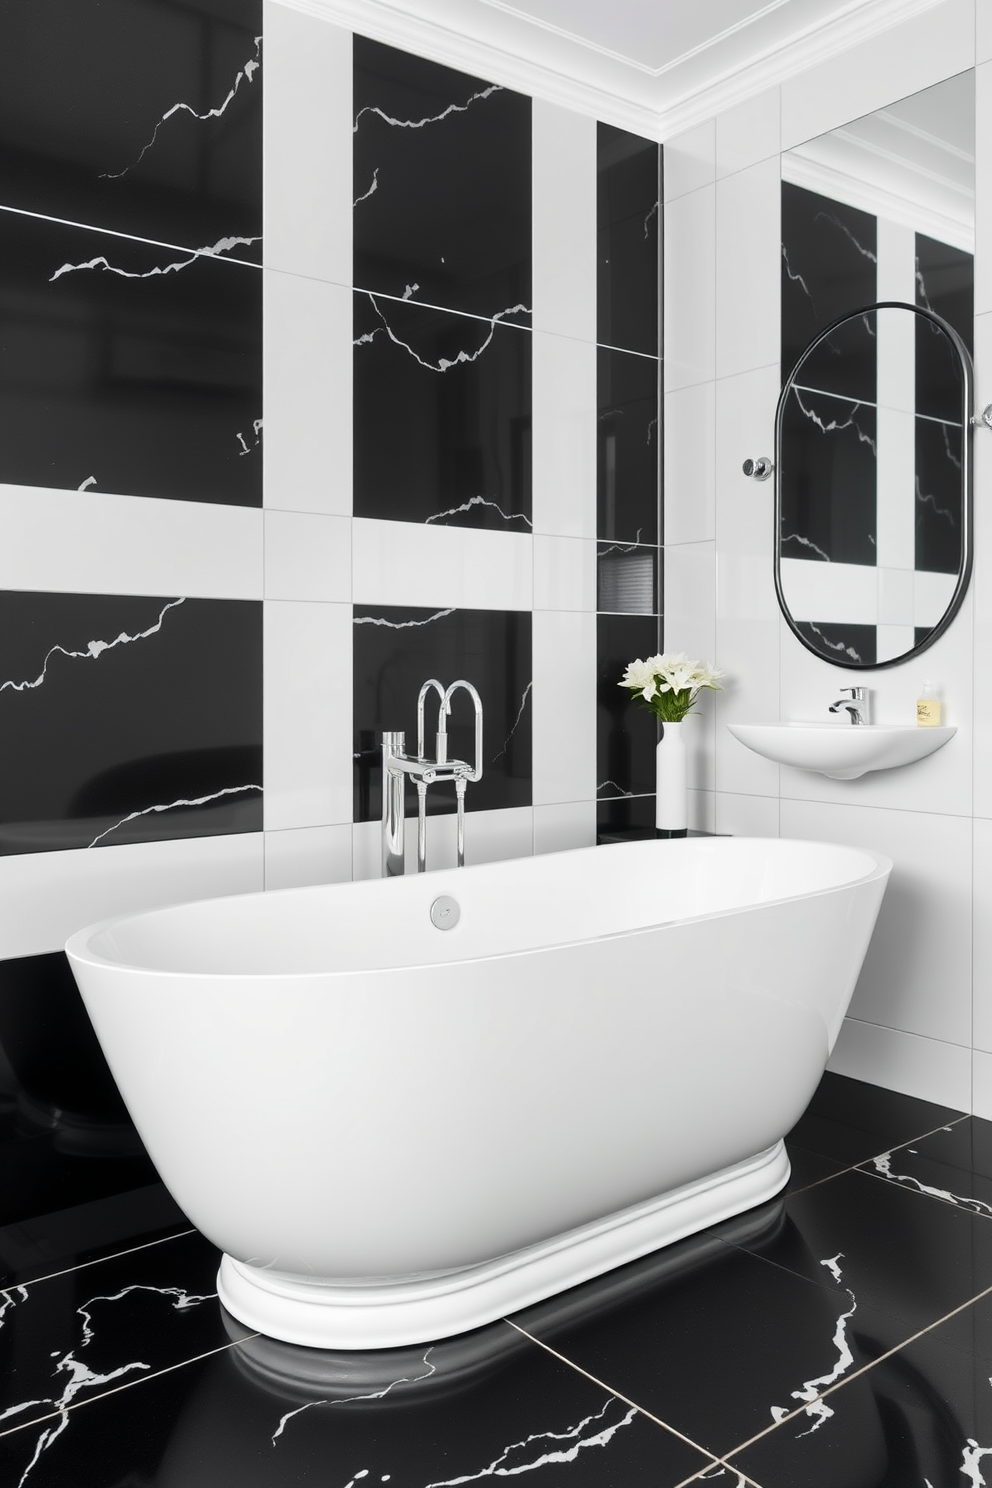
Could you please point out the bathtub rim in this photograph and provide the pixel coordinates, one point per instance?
(78, 948)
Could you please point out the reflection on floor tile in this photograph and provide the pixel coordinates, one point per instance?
(838, 1336)
(269, 1415)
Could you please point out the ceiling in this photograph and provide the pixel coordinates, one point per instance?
(653, 65)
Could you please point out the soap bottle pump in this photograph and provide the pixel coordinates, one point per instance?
(928, 706)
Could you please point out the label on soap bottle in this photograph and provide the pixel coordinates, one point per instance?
(928, 712)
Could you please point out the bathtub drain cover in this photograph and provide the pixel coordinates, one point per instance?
(445, 912)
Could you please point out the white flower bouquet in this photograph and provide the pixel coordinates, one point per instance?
(669, 685)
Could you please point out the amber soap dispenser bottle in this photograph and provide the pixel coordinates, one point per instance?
(928, 706)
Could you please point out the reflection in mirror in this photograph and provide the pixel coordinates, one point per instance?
(873, 549)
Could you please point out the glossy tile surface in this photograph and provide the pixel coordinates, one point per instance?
(395, 650)
(442, 185)
(128, 366)
(144, 118)
(839, 1335)
(127, 719)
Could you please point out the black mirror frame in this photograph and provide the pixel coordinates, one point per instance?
(967, 483)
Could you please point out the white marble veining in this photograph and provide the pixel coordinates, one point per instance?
(210, 250)
(811, 1391)
(516, 722)
(401, 624)
(94, 649)
(230, 790)
(883, 1166)
(404, 1379)
(452, 108)
(245, 75)
(834, 425)
(443, 364)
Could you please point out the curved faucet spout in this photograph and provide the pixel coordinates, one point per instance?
(476, 772)
(431, 682)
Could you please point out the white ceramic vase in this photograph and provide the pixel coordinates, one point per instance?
(671, 800)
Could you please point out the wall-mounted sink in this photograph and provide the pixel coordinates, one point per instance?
(841, 750)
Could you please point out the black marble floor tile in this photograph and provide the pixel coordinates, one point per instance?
(713, 1343)
(912, 1257)
(267, 1416)
(809, 1168)
(71, 1336)
(850, 1120)
(85, 1233)
(920, 1417)
(953, 1164)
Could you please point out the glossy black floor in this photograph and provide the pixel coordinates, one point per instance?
(838, 1337)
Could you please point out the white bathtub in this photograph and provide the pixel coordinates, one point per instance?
(396, 1133)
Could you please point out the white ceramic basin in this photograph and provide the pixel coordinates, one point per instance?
(841, 750)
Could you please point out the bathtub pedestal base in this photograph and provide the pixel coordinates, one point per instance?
(302, 1310)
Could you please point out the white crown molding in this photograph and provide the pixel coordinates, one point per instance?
(506, 47)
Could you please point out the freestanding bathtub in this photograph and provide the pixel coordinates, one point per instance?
(397, 1132)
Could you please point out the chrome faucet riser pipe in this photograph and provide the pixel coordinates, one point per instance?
(476, 772)
(393, 825)
(421, 826)
(431, 682)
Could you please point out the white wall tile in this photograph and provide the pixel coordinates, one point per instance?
(690, 160)
(490, 836)
(982, 922)
(48, 896)
(983, 172)
(702, 811)
(565, 410)
(749, 133)
(747, 613)
(928, 47)
(409, 563)
(308, 116)
(564, 233)
(983, 32)
(564, 707)
(690, 289)
(917, 974)
(690, 583)
(307, 855)
(748, 272)
(690, 451)
(307, 332)
(982, 579)
(84, 542)
(981, 1084)
(564, 573)
(307, 714)
(745, 815)
(561, 827)
(307, 556)
(900, 1061)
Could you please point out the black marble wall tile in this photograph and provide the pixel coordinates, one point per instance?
(127, 367)
(828, 477)
(126, 719)
(65, 1135)
(442, 185)
(939, 456)
(628, 447)
(628, 579)
(945, 283)
(629, 232)
(625, 819)
(143, 117)
(829, 263)
(626, 732)
(396, 650)
(442, 417)
(841, 642)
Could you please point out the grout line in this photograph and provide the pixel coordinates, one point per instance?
(129, 1385)
(800, 1410)
(857, 1167)
(617, 1394)
(111, 232)
(14, 1286)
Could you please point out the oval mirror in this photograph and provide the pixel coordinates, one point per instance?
(873, 485)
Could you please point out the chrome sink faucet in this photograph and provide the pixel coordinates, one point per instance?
(397, 765)
(856, 708)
